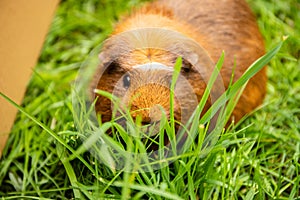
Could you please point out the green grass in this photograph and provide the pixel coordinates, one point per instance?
(259, 159)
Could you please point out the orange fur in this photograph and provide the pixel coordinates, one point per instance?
(215, 25)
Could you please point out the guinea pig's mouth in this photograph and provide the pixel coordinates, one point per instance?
(146, 129)
(149, 132)
(150, 129)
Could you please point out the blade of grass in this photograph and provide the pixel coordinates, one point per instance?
(70, 171)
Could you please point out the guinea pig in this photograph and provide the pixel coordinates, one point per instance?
(138, 58)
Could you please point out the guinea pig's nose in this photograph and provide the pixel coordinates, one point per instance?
(149, 115)
(150, 119)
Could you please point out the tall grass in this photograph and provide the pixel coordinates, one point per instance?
(259, 159)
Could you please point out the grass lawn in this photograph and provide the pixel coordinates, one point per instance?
(258, 159)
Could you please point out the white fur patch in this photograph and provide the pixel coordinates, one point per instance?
(153, 65)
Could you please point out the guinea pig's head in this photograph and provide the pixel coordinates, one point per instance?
(137, 67)
(142, 82)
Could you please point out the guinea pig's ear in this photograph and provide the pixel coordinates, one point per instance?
(193, 58)
(108, 65)
(103, 58)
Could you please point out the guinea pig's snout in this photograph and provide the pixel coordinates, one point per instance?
(145, 90)
(149, 115)
(150, 103)
(150, 119)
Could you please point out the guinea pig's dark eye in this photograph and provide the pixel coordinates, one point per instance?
(186, 66)
(126, 81)
(186, 69)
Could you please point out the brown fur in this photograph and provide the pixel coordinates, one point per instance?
(216, 25)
